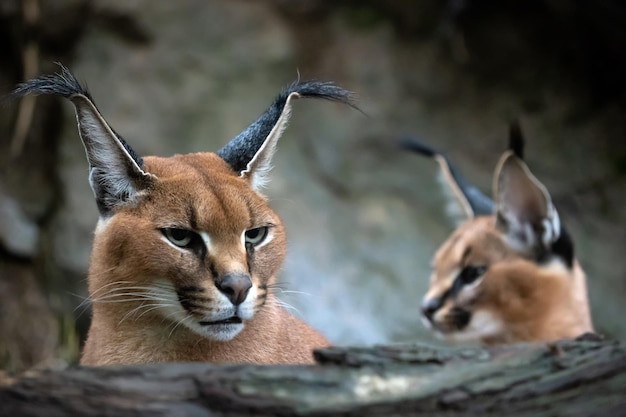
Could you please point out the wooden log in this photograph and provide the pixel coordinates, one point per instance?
(585, 377)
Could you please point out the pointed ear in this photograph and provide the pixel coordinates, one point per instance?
(115, 172)
(467, 199)
(250, 153)
(524, 209)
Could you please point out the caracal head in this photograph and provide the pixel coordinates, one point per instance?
(200, 247)
(185, 242)
(508, 272)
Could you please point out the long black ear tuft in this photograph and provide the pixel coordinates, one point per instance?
(516, 139)
(250, 152)
(115, 170)
(471, 200)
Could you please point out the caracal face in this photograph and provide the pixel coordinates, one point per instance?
(508, 272)
(196, 228)
(455, 304)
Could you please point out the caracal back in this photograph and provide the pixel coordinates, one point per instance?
(186, 250)
(508, 272)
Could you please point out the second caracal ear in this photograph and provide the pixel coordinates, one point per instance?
(524, 209)
(115, 172)
(470, 199)
(250, 153)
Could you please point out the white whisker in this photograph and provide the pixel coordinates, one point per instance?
(180, 321)
(146, 309)
(83, 303)
(154, 307)
(131, 312)
(283, 304)
(130, 294)
(109, 285)
(295, 292)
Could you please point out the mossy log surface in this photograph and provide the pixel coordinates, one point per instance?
(584, 377)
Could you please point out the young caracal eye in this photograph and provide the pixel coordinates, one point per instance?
(186, 249)
(508, 273)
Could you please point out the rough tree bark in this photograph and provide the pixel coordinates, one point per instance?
(586, 377)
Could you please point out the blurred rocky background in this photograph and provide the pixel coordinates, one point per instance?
(362, 217)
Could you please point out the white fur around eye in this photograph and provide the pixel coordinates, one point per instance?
(468, 292)
(206, 239)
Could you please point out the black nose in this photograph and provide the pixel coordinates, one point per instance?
(430, 306)
(235, 287)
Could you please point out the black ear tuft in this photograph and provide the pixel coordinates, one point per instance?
(516, 139)
(115, 170)
(66, 85)
(416, 146)
(249, 153)
(472, 201)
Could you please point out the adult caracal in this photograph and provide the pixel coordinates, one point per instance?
(186, 249)
(508, 274)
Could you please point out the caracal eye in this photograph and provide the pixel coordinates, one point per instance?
(470, 273)
(179, 237)
(256, 236)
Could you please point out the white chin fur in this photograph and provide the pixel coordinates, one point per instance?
(482, 324)
(217, 332)
(223, 310)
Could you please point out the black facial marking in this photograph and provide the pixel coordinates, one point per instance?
(471, 273)
(563, 247)
(192, 217)
(460, 317)
(189, 301)
(467, 275)
(191, 288)
(249, 256)
(261, 296)
(249, 249)
(447, 294)
(213, 272)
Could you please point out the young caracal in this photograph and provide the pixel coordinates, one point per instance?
(508, 274)
(186, 249)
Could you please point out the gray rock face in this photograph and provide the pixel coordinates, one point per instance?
(363, 218)
(18, 233)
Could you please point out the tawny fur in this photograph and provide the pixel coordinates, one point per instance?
(529, 302)
(508, 273)
(186, 250)
(271, 337)
(128, 248)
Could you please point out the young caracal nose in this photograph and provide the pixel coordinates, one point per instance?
(508, 273)
(186, 249)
